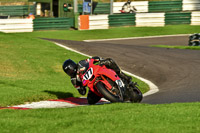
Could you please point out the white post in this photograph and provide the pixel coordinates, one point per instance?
(111, 7)
(75, 6)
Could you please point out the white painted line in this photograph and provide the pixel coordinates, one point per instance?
(58, 104)
(72, 49)
(135, 38)
(152, 86)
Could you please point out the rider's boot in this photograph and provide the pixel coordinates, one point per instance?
(126, 77)
(110, 63)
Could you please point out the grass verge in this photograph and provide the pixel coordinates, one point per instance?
(31, 71)
(118, 118)
(178, 47)
(119, 32)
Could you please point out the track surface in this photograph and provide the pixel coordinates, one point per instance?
(175, 72)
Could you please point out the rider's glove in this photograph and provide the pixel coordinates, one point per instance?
(97, 59)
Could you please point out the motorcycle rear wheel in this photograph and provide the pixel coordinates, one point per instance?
(107, 94)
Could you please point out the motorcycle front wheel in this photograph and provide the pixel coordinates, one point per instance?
(136, 95)
(112, 96)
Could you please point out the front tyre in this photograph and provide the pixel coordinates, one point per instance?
(135, 95)
(92, 98)
(107, 94)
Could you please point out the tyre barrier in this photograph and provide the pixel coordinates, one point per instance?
(194, 39)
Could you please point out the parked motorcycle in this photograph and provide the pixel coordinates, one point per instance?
(127, 8)
(104, 82)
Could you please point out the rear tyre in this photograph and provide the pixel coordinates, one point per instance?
(107, 94)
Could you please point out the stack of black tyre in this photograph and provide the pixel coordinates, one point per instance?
(194, 39)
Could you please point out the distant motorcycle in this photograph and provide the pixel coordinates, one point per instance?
(104, 82)
(127, 8)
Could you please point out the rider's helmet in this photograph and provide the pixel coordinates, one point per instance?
(129, 1)
(69, 66)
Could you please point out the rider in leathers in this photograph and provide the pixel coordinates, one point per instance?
(75, 71)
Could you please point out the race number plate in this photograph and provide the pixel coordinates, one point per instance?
(88, 74)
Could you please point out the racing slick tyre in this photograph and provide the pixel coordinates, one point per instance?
(136, 95)
(108, 94)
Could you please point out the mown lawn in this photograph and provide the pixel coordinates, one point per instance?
(110, 118)
(178, 47)
(119, 32)
(31, 70)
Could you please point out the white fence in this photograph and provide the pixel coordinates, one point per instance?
(141, 6)
(150, 19)
(189, 5)
(98, 22)
(94, 22)
(195, 19)
(16, 25)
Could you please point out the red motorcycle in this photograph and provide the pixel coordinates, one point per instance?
(104, 82)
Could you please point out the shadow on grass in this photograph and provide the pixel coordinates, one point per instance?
(59, 94)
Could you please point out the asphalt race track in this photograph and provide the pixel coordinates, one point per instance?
(176, 72)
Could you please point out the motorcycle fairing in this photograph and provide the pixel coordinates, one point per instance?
(97, 73)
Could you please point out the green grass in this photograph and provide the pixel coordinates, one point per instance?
(118, 118)
(119, 32)
(141, 85)
(178, 47)
(31, 71)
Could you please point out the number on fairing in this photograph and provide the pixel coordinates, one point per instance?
(88, 74)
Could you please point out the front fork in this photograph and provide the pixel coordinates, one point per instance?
(120, 84)
(122, 89)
